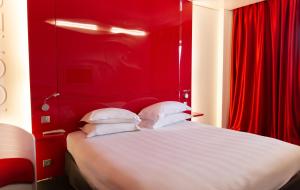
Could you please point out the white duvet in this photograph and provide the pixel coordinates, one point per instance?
(185, 156)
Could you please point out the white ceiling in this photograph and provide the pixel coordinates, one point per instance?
(224, 4)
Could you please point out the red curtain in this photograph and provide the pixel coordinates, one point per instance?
(265, 74)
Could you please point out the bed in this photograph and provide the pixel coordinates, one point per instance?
(186, 155)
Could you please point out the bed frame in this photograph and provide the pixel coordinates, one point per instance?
(78, 182)
(293, 184)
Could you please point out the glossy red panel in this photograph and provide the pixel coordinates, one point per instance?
(104, 69)
(115, 53)
(186, 54)
(42, 57)
(50, 148)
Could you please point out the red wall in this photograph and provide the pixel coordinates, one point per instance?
(95, 69)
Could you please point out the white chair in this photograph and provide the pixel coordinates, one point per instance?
(17, 143)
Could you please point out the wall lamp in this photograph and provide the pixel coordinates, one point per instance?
(46, 106)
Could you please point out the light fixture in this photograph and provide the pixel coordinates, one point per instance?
(46, 106)
(117, 30)
(94, 28)
(75, 25)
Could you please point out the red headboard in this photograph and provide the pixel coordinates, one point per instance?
(99, 67)
(96, 53)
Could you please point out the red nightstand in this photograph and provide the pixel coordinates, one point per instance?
(50, 151)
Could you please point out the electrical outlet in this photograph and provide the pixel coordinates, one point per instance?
(45, 119)
(47, 163)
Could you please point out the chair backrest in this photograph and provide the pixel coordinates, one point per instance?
(17, 143)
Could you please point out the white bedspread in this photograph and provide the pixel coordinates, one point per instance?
(186, 156)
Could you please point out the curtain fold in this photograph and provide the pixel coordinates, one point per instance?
(265, 72)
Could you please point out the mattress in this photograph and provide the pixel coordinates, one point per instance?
(187, 156)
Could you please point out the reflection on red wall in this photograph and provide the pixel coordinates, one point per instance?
(98, 54)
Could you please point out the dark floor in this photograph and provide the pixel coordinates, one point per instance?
(58, 183)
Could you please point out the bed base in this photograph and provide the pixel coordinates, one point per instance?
(293, 184)
(78, 182)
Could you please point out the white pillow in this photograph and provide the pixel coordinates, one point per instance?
(111, 115)
(93, 129)
(170, 119)
(162, 109)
